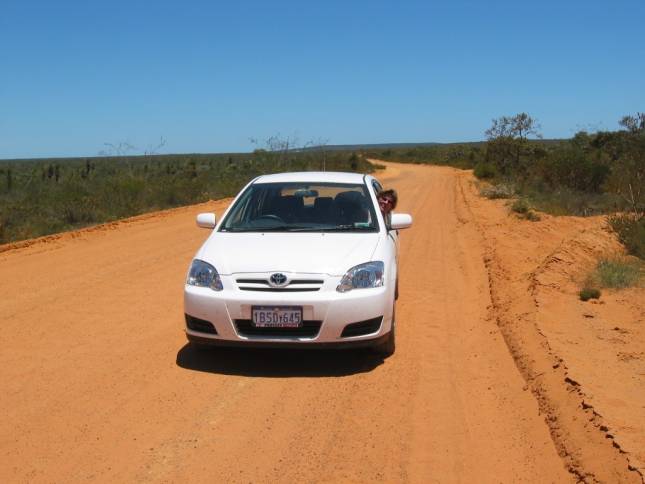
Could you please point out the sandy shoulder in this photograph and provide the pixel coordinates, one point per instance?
(601, 343)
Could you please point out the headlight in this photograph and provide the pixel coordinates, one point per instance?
(203, 274)
(362, 276)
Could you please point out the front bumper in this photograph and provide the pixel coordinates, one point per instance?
(332, 309)
(252, 343)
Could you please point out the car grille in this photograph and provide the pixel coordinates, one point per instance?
(200, 325)
(295, 285)
(362, 327)
(309, 329)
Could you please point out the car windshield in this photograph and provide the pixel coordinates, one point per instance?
(302, 207)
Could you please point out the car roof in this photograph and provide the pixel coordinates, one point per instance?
(312, 177)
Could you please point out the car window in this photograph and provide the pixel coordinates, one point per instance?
(303, 207)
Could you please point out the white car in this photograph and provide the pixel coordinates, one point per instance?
(298, 260)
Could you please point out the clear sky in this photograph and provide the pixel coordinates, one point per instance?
(207, 76)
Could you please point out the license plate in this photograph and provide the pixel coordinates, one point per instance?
(277, 316)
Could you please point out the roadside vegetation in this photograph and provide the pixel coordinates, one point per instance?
(630, 229)
(459, 155)
(613, 273)
(45, 196)
(587, 293)
(500, 190)
(589, 174)
(618, 273)
(524, 210)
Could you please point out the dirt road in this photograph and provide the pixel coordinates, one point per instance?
(97, 383)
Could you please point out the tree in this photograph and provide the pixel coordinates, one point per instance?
(520, 126)
(633, 124)
(628, 170)
(275, 148)
(154, 149)
(121, 148)
(508, 140)
(353, 161)
(320, 145)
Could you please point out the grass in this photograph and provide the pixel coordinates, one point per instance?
(564, 201)
(613, 273)
(618, 273)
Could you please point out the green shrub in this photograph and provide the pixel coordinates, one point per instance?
(484, 170)
(523, 209)
(532, 216)
(587, 293)
(630, 230)
(569, 166)
(618, 273)
(500, 190)
(521, 206)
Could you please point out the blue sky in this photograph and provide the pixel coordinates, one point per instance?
(207, 76)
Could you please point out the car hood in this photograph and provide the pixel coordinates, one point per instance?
(314, 253)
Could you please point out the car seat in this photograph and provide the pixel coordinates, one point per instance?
(324, 210)
(352, 207)
(289, 208)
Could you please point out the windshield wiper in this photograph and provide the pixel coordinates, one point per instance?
(346, 228)
(274, 228)
(300, 228)
(285, 228)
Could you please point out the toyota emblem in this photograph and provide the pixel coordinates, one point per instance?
(278, 279)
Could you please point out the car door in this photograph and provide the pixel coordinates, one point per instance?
(391, 236)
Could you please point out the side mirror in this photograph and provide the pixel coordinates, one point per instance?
(206, 220)
(400, 221)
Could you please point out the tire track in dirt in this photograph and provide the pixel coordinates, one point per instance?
(578, 431)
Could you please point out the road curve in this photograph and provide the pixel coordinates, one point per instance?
(97, 383)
